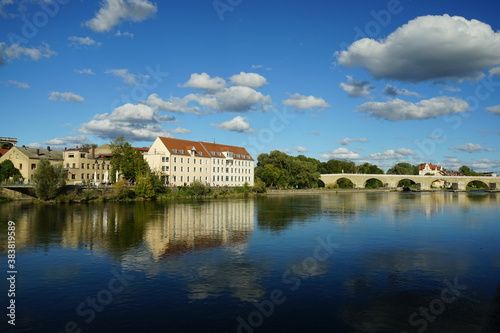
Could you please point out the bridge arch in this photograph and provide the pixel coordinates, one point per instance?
(373, 182)
(477, 184)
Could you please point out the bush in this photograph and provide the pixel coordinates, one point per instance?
(122, 190)
(198, 189)
(259, 186)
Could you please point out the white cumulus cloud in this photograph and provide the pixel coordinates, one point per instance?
(392, 154)
(237, 124)
(114, 12)
(341, 154)
(428, 48)
(302, 102)
(397, 109)
(346, 141)
(17, 84)
(136, 122)
(252, 80)
(128, 78)
(15, 51)
(82, 42)
(393, 91)
(470, 148)
(65, 97)
(205, 82)
(357, 88)
(495, 109)
(173, 104)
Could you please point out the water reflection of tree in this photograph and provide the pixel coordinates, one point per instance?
(280, 212)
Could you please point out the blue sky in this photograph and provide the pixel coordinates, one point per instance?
(368, 81)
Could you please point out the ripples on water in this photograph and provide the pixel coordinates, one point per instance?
(346, 262)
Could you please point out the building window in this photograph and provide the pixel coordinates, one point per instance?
(182, 169)
(194, 169)
(188, 160)
(67, 165)
(83, 165)
(73, 165)
(82, 176)
(73, 176)
(194, 160)
(82, 155)
(227, 178)
(182, 160)
(71, 155)
(33, 166)
(188, 170)
(182, 178)
(175, 159)
(175, 168)
(175, 178)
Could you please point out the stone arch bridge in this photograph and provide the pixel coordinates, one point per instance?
(423, 182)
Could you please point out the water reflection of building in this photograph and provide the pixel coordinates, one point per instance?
(185, 227)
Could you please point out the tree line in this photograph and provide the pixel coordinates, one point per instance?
(279, 170)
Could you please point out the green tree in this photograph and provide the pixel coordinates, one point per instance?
(48, 179)
(271, 175)
(371, 169)
(281, 170)
(149, 185)
(403, 169)
(467, 171)
(89, 145)
(127, 160)
(8, 170)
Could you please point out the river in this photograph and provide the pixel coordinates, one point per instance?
(333, 262)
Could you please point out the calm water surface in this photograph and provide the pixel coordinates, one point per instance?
(346, 262)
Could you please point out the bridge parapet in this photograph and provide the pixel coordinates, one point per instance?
(423, 182)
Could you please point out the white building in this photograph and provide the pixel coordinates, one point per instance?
(429, 169)
(181, 162)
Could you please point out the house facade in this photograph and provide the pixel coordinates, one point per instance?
(429, 169)
(86, 166)
(181, 162)
(26, 159)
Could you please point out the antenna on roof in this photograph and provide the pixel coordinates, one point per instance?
(214, 140)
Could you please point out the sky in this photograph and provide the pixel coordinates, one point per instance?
(367, 81)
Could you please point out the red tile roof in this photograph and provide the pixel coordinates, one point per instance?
(205, 149)
(431, 166)
(3, 151)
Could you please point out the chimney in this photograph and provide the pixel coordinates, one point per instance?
(48, 148)
(93, 152)
(38, 151)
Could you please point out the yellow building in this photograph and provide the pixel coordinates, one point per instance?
(87, 166)
(26, 159)
(181, 162)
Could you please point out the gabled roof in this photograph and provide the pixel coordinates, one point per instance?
(203, 149)
(35, 153)
(240, 153)
(183, 147)
(431, 166)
